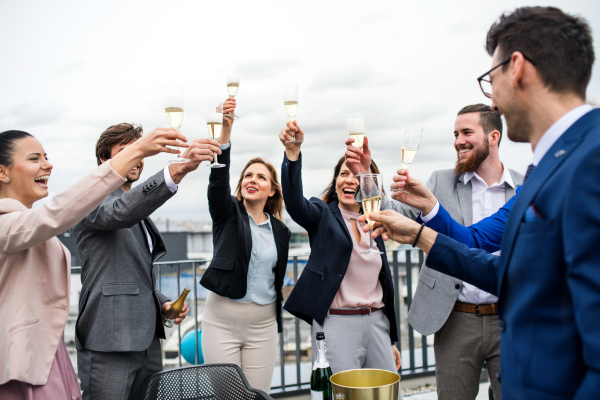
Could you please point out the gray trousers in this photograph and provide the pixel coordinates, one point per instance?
(117, 375)
(356, 341)
(461, 346)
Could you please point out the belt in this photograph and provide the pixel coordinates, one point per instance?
(356, 311)
(480, 309)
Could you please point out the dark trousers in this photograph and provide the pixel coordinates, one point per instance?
(117, 375)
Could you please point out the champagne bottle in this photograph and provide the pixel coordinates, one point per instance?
(176, 308)
(320, 386)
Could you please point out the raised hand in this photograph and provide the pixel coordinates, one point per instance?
(199, 150)
(228, 108)
(420, 196)
(288, 133)
(358, 160)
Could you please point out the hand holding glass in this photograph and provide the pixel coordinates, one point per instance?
(410, 144)
(371, 191)
(173, 102)
(290, 103)
(233, 76)
(214, 123)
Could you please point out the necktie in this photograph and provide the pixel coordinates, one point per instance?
(529, 171)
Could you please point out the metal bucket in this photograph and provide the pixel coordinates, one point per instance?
(365, 384)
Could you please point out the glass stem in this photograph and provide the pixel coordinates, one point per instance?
(371, 237)
(216, 161)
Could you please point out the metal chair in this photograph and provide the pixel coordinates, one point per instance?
(206, 382)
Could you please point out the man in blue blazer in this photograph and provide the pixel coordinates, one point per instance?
(548, 275)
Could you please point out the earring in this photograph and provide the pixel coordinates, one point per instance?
(7, 180)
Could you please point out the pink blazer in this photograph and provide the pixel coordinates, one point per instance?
(35, 275)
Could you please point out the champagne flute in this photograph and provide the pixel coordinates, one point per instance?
(410, 144)
(371, 190)
(214, 123)
(173, 102)
(233, 76)
(290, 102)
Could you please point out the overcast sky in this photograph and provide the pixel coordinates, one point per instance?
(70, 69)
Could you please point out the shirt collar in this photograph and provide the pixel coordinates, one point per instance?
(556, 131)
(267, 222)
(505, 178)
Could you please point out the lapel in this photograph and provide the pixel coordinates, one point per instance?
(465, 199)
(568, 142)
(159, 249)
(280, 241)
(335, 209)
(247, 231)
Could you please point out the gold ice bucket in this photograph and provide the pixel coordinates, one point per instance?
(365, 384)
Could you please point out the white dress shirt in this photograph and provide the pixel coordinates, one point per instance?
(486, 201)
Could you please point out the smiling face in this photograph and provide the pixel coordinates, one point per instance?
(470, 142)
(345, 185)
(29, 172)
(256, 184)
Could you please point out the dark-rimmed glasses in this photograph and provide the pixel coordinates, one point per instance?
(486, 84)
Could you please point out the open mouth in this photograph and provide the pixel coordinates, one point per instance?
(464, 152)
(42, 181)
(251, 189)
(349, 192)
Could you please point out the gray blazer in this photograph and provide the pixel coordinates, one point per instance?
(119, 308)
(436, 292)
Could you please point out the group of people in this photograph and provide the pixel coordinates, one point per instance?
(535, 302)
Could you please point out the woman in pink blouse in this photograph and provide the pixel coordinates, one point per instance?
(35, 266)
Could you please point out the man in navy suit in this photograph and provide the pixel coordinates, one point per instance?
(548, 274)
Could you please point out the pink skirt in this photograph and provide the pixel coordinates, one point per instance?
(62, 382)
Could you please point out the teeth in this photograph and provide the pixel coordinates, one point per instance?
(464, 151)
(349, 191)
(42, 178)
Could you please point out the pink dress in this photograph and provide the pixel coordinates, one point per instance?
(62, 382)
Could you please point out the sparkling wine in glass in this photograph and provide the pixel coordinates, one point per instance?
(410, 144)
(173, 101)
(233, 76)
(290, 103)
(371, 192)
(356, 130)
(214, 123)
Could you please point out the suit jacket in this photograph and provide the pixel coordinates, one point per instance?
(331, 248)
(548, 275)
(119, 307)
(437, 292)
(35, 274)
(227, 274)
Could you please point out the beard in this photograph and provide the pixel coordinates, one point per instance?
(518, 126)
(478, 155)
(135, 176)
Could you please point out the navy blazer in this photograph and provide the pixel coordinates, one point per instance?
(331, 248)
(227, 274)
(548, 275)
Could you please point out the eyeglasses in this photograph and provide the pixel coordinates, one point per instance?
(486, 84)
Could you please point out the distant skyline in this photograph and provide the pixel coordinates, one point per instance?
(71, 69)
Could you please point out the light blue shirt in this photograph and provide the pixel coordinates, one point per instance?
(261, 276)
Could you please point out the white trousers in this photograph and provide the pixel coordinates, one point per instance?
(244, 334)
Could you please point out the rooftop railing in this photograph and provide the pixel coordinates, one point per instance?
(293, 366)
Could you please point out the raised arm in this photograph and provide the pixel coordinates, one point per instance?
(305, 213)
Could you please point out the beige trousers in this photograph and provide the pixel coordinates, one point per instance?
(244, 334)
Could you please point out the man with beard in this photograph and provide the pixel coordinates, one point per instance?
(120, 311)
(463, 317)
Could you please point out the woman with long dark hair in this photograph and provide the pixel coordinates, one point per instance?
(35, 266)
(346, 294)
(242, 315)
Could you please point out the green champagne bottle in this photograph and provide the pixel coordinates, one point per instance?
(320, 386)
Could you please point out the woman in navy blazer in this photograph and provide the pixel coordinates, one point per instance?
(332, 247)
(242, 315)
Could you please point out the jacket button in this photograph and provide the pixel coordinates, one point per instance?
(498, 377)
(457, 286)
(502, 326)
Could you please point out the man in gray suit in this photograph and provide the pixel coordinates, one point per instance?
(463, 317)
(120, 311)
